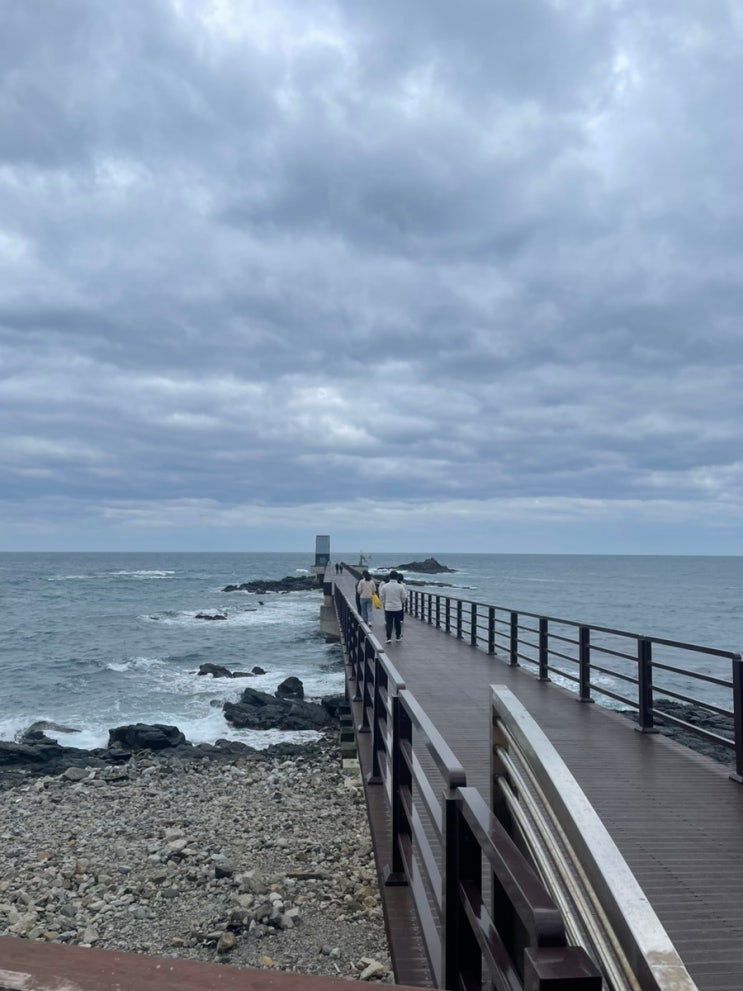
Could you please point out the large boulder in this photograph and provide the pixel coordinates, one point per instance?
(143, 736)
(290, 688)
(259, 710)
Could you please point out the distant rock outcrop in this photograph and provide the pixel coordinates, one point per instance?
(220, 671)
(292, 583)
(428, 567)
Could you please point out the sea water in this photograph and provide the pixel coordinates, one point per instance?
(93, 641)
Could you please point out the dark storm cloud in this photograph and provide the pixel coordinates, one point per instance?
(382, 266)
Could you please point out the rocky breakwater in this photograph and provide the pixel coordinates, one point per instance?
(257, 860)
(291, 583)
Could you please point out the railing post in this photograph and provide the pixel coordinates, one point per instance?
(438, 612)
(462, 963)
(448, 614)
(738, 717)
(473, 624)
(584, 663)
(394, 872)
(430, 599)
(368, 655)
(354, 651)
(645, 685)
(491, 629)
(459, 619)
(544, 654)
(375, 775)
(514, 652)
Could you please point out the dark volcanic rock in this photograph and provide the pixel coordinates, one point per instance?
(336, 705)
(428, 567)
(142, 736)
(220, 671)
(291, 583)
(290, 688)
(210, 615)
(44, 724)
(694, 715)
(259, 710)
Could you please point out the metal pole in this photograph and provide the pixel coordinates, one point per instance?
(394, 873)
(584, 663)
(544, 654)
(645, 685)
(738, 717)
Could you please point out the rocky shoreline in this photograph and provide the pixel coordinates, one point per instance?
(694, 715)
(258, 859)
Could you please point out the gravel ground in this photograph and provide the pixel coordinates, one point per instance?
(253, 861)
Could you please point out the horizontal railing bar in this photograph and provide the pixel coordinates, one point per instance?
(427, 795)
(429, 927)
(531, 902)
(529, 660)
(615, 695)
(560, 639)
(597, 648)
(707, 734)
(527, 644)
(431, 869)
(438, 748)
(708, 679)
(529, 629)
(692, 701)
(614, 674)
(565, 674)
(497, 960)
(565, 657)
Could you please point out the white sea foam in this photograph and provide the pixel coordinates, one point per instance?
(279, 610)
(140, 574)
(133, 664)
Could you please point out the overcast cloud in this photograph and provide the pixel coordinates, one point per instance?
(419, 275)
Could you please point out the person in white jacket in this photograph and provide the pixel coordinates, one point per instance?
(394, 597)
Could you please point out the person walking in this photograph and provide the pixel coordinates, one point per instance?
(394, 597)
(365, 589)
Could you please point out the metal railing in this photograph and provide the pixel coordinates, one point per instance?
(644, 673)
(442, 832)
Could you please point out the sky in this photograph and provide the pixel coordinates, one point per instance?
(415, 274)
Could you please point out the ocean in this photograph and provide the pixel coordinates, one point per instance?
(93, 641)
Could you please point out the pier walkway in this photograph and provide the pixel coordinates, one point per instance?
(675, 815)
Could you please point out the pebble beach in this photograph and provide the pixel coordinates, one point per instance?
(256, 861)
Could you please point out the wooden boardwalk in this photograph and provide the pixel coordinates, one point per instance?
(675, 815)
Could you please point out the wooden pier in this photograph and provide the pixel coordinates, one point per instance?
(675, 815)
